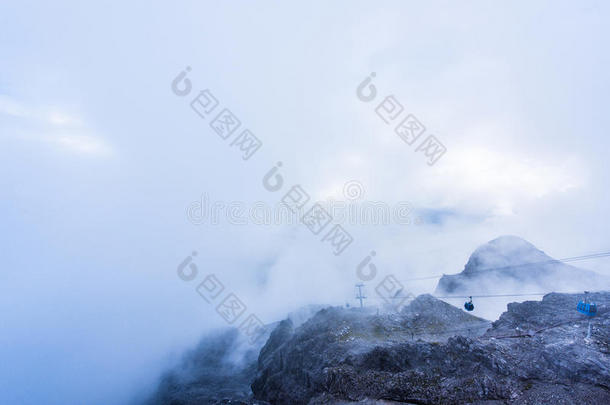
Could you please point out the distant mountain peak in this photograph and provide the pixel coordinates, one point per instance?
(510, 264)
(507, 250)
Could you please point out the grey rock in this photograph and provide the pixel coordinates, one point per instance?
(537, 352)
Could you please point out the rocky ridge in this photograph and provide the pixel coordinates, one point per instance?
(535, 353)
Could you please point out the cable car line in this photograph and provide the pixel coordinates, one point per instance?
(501, 295)
(491, 295)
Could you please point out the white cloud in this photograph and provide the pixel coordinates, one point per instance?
(65, 131)
(10, 106)
(63, 119)
(502, 180)
(83, 144)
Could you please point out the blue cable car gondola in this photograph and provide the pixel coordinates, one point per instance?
(585, 307)
(468, 305)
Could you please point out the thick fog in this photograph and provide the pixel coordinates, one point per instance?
(106, 169)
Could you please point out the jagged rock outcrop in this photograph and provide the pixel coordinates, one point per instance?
(429, 318)
(537, 352)
(509, 264)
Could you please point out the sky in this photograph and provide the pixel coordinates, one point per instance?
(100, 162)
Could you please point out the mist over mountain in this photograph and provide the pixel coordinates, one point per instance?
(429, 352)
(221, 367)
(224, 365)
(137, 138)
(510, 264)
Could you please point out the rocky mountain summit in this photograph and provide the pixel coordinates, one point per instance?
(430, 352)
(537, 352)
(222, 367)
(510, 264)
